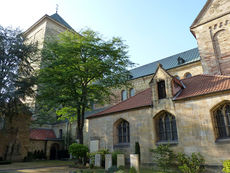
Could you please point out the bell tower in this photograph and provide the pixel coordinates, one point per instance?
(211, 29)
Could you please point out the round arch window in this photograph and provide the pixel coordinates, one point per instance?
(188, 75)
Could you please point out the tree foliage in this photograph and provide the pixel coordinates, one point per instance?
(79, 151)
(16, 73)
(163, 157)
(78, 69)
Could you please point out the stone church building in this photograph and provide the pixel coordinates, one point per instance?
(182, 100)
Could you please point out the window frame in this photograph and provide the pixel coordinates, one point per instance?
(131, 92)
(222, 122)
(123, 98)
(123, 132)
(166, 129)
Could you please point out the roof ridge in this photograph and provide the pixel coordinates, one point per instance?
(164, 58)
(225, 76)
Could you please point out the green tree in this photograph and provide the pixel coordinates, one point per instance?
(78, 69)
(16, 73)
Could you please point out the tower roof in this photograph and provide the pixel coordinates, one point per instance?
(60, 20)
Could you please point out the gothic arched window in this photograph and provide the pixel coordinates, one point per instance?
(123, 132)
(166, 128)
(222, 121)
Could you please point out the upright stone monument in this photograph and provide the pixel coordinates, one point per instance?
(108, 161)
(120, 160)
(97, 160)
(94, 146)
(134, 162)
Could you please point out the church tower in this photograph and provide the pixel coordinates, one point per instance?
(49, 26)
(211, 29)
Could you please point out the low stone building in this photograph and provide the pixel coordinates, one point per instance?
(45, 141)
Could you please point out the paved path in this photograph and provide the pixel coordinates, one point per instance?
(62, 169)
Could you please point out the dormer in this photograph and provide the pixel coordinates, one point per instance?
(164, 86)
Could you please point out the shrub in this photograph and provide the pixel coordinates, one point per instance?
(112, 169)
(121, 168)
(191, 164)
(102, 152)
(79, 151)
(132, 170)
(164, 157)
(226, 166)
(138, 150)
(114, 156)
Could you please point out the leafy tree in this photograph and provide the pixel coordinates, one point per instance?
(164, 157)
(191, 164)
(16, 73)
(78, 69)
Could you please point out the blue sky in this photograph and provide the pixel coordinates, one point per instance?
(152, 29)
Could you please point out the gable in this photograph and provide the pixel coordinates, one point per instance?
(213, 9)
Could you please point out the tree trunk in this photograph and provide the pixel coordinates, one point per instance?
(80, 134)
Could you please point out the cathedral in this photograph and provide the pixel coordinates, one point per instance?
(182, 100)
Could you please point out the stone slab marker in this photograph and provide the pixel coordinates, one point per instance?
(97, 160)
(94, 146)
(120, 160)
(108, 161)
(134, 161)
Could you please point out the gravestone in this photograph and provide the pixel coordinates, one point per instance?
(134, 161)
(120, 160)
(108, 161)
(94, 146)
(97, 160)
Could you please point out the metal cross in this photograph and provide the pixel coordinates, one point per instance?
(57, 8)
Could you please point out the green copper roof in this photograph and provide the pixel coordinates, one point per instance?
(60, 20)
(174, 61)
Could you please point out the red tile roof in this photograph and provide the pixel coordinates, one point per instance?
(141, 99)
(42, 134)
(204, 84)
(194, 86)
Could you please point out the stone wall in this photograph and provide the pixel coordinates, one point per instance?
(140, 123)
(194, 126)
(142, 83)
(15, 137)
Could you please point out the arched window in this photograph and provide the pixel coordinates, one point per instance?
(131, 92)
(123, 95)
(123, 132)
(176, 76)
(161, 89)
(166, 128)
(187, 75)
(222, 121)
